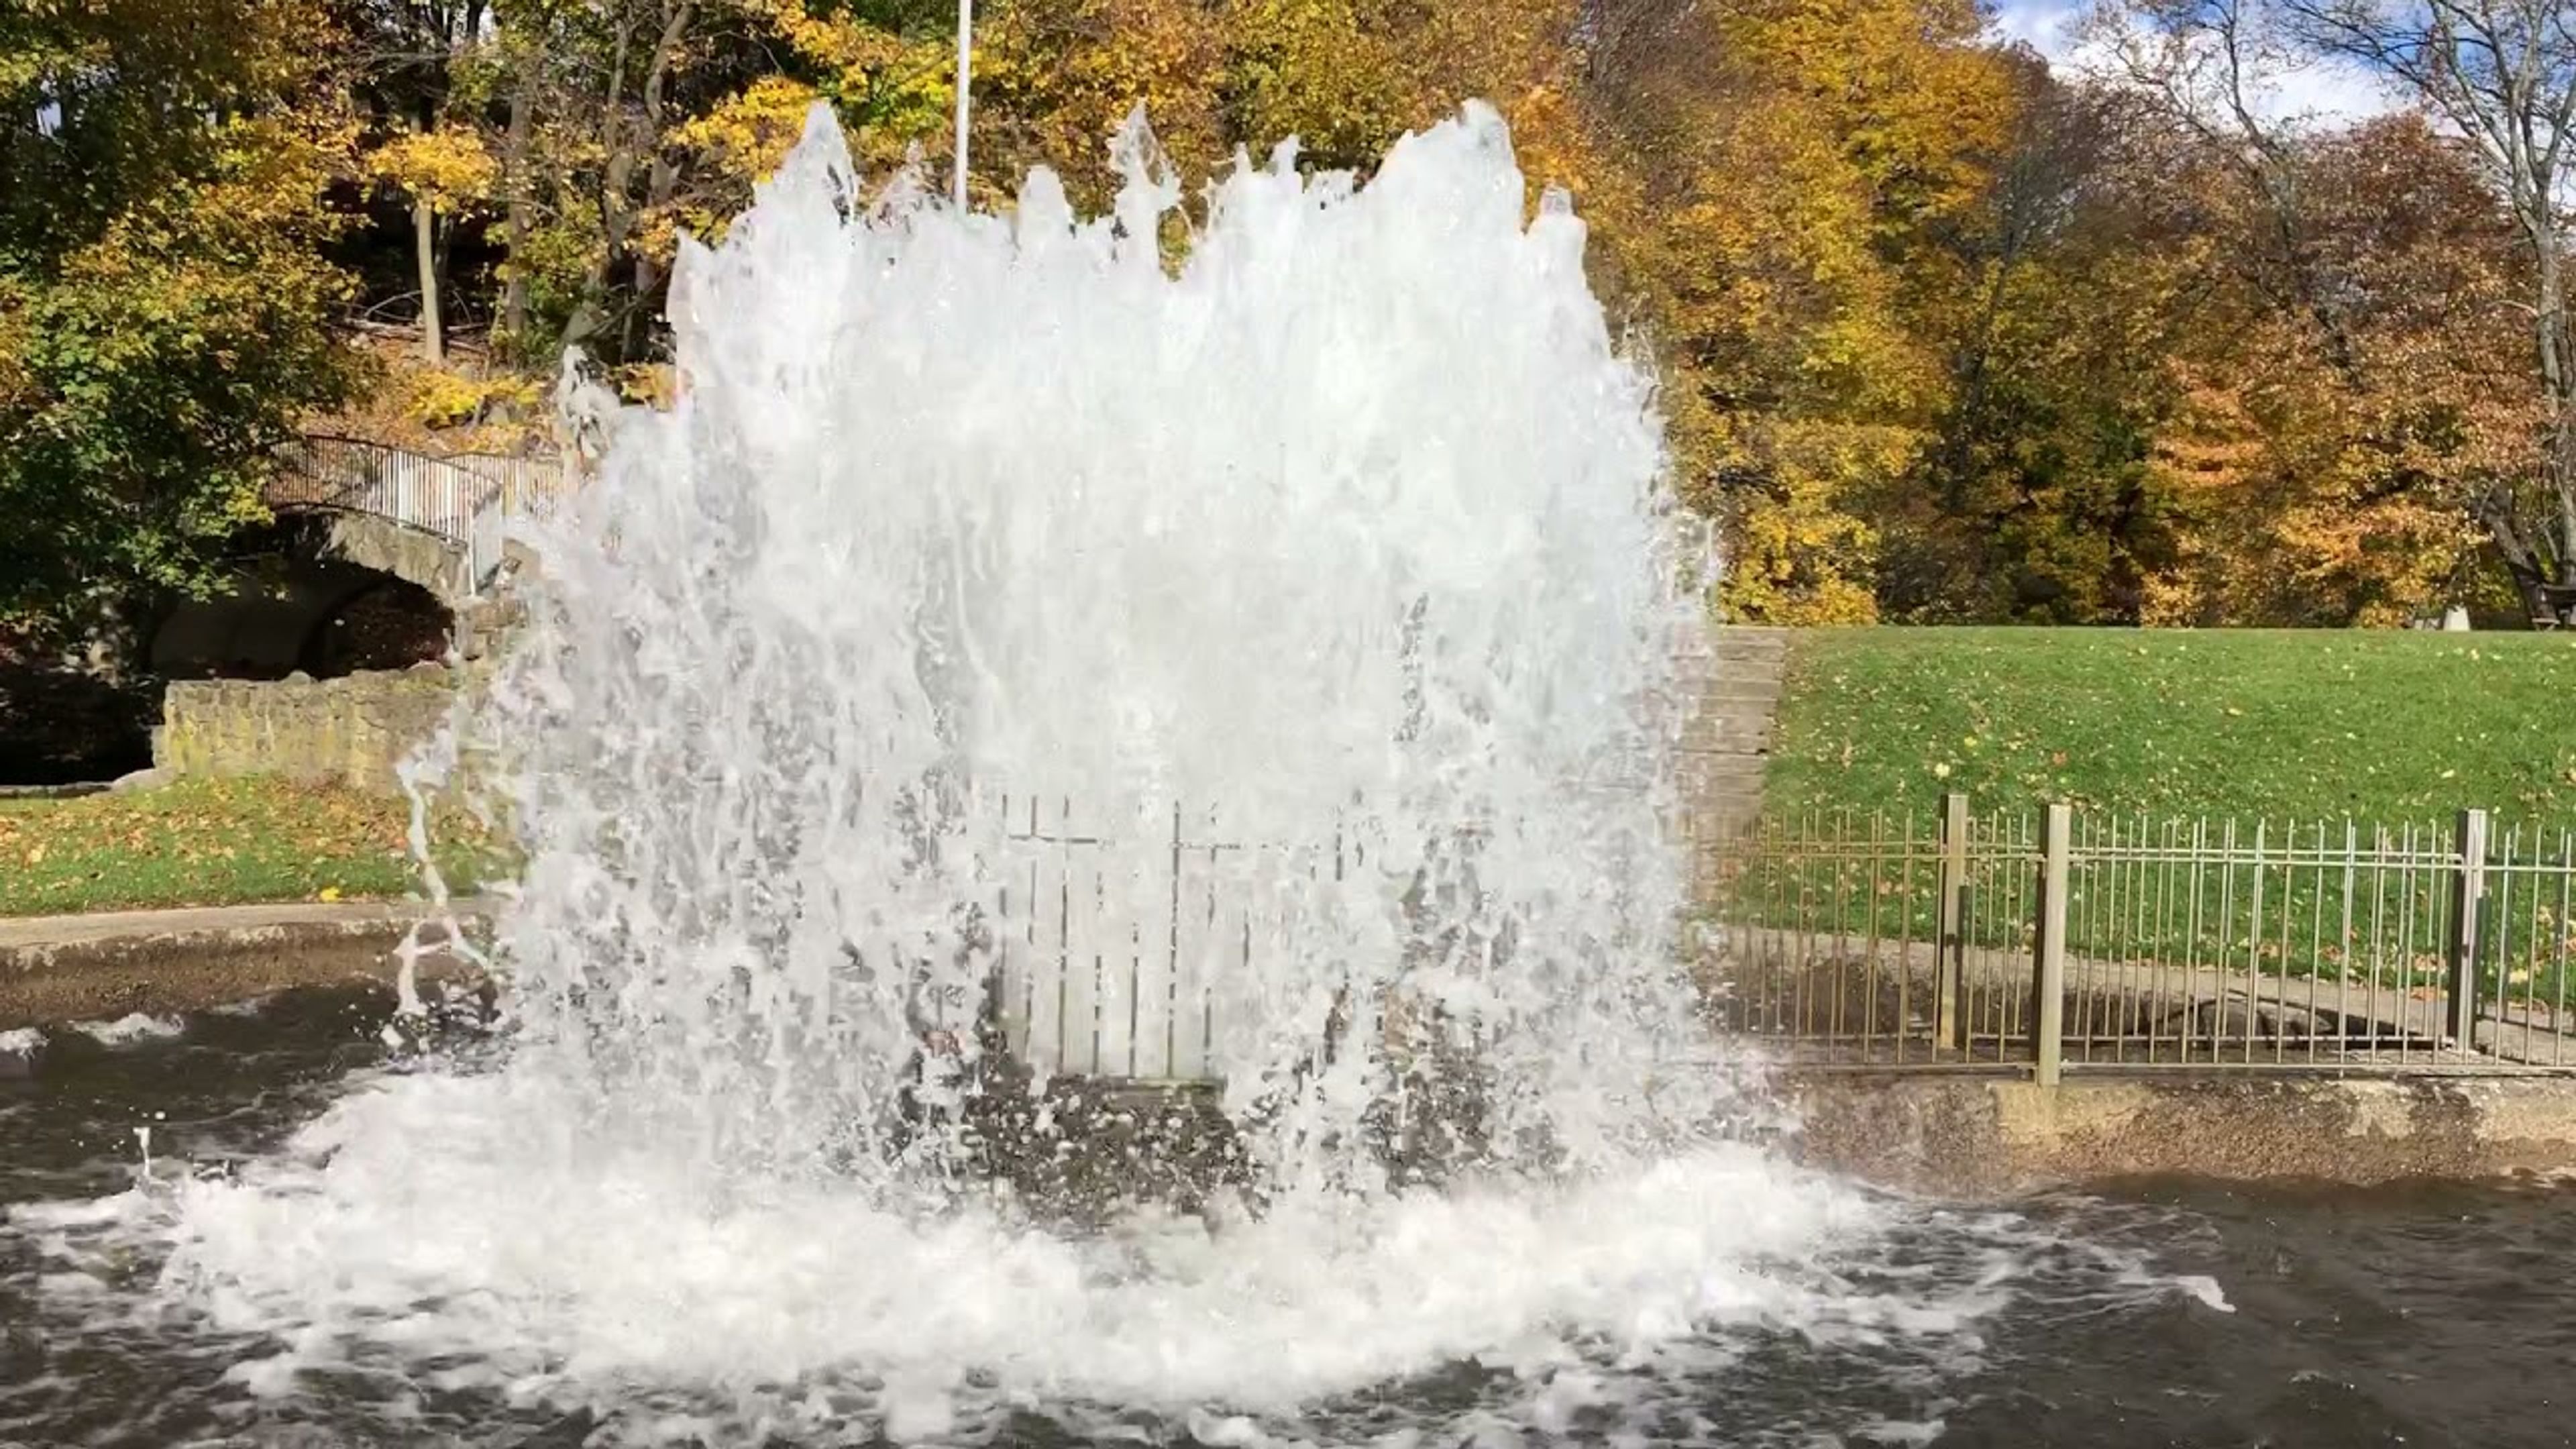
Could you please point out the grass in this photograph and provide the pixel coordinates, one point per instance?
(222, 842)
(2380, 727)
(2161, 735)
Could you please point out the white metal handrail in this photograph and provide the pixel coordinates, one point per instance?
(463, 498)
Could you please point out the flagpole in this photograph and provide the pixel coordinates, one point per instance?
(965, 66)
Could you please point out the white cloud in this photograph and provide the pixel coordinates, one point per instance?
(2046, 26)
(2335, 90)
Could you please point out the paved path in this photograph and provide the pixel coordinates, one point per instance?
(20, 933)
(1727, 744)
(76, 968)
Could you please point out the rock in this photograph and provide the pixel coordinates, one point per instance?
(145, 779)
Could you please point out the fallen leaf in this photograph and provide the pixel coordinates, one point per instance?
(329, 893)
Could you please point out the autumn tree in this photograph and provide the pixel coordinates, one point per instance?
(413, 78)
(623, 123)
(1797, 160)
(2502, 73)
(163, 295)
(2334, 474)
(2030, 497)
(2357, 420)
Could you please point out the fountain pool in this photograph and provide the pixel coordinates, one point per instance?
(2433, 1314)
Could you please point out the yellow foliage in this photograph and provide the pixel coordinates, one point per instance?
(1802, 553)
(749, 134)
(1323, 71)
(654, 384)
(1791, 155)
(1056, 78)
(839, 42)
(890, 89)
(449, 168)
(442, 399)
(455, 407)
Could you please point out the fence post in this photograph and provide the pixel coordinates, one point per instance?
(2468, 893)
(2048, 976)
(1950, 936)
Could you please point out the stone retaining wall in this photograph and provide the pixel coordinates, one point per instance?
(352, 730)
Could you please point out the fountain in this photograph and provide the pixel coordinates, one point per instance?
(1341, 537)
(1321, 576)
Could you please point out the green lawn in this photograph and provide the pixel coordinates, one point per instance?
(220, 842)
(2380, 727)
(2239, 756)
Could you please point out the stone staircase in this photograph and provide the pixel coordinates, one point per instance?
(1735, 674)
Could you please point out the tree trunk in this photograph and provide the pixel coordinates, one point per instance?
(661, 178)
(2550, 328)
(424, 228)
(514, 283)
(2523, 564)
(616, 201)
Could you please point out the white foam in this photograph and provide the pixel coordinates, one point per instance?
(2204, 1288)
(134, 1028)
(21, 1041)
(1909, 1433)
(562, 1269)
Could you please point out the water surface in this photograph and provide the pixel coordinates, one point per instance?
(2154, 1313)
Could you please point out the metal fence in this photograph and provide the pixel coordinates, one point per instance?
(462, 499)
(2064, 941)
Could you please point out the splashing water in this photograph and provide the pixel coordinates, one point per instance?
(1345, 527)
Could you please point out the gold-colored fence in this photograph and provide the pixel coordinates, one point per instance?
(2061, 940)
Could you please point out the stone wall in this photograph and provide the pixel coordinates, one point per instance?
(352, 730)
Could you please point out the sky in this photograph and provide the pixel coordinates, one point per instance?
(2329, 91)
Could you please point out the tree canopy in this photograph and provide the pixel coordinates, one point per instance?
(164, 289)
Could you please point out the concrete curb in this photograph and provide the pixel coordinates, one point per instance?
(77, 968)
(1964, 1135)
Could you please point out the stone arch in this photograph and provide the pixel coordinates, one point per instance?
(384, 622)
(373, 541)
(288, 612)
